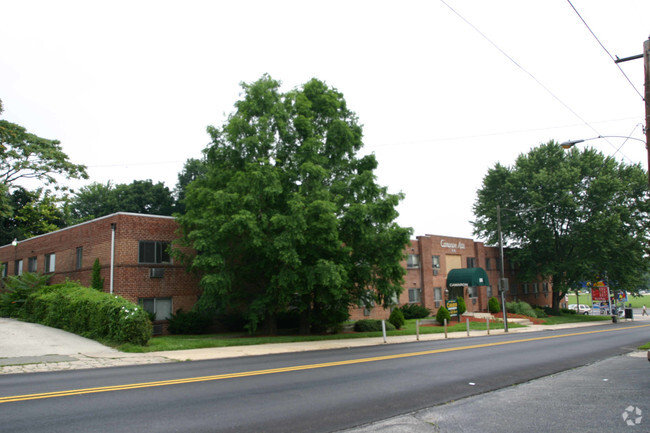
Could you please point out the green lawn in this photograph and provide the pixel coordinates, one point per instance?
(637, 302)
(182, 342)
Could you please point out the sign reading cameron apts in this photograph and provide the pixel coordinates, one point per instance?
(452, 306)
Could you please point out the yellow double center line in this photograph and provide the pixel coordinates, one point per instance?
(83, 391)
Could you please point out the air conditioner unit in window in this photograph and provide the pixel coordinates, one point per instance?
(156, 272)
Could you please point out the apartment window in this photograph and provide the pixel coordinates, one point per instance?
(79, 258)
(489, 291)
(435, 260)
(525, 288)
(32, 264)
(488, 263)
(437, 296)
(50, 263)
(5, 269)
(161, 307)
(18, 267)
(545, 287)
(153, 252)
(535, 288)
(471, 262)
(415, 295)
(413, 261)
(513, 289)
(472, 292)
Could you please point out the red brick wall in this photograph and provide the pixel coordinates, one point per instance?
(131, 280)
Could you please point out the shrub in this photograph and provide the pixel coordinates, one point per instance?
(520, 307)
(397, 318)
(89, 313)
(414, 311)
(493, 305)
(443, 314)
(96, 281)
(191, 322)
(462, 307)
(540, 313)
(371, 325)
(17, 290)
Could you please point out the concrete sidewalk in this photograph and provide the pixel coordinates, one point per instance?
(23, 351)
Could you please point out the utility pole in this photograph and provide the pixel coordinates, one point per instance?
(646, 98)
(646, 70)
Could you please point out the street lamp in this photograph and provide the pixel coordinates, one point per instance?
(569, 144)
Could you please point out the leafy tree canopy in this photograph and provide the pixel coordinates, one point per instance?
(287, 216)
(140, 196)
(33, 213)
(26, 156)
(572, 216)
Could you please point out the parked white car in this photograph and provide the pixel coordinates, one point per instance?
(584, 309)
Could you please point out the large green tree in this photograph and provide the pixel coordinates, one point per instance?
(573, 216)
(287, 216)
(140, 196)
(25, 156)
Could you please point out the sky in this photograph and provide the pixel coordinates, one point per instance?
(444, 89)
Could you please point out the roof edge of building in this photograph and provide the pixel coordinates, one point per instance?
(94, 220)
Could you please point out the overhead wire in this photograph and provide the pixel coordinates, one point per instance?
(557, 98)
(605, 49)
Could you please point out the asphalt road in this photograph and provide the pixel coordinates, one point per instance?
(304, 392)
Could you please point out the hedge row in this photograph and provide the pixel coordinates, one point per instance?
(89, 313)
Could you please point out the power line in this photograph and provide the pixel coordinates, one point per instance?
(531, 76)
(605, 49)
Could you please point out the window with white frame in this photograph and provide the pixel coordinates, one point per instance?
(535, 287)
(415, 295)
(32, 264)
(153, 252)
(50, 262)
(471, 262)
(161, 307)
(437, 296)
(5, 269)
(489, 291)
(18, 267)
(413, 261)
(545, 287)
(488, 263)
(435, 261)
(525, 288)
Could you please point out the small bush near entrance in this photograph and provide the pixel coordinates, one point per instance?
(371, 325)
(443, 314)
(493, 305)
(87, 312)
(397, 318)
(462, 307)
(414, 311)
(191, 322)
(520, 307)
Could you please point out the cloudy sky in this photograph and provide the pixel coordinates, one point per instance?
(444, 89)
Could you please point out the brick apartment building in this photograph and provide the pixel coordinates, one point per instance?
(439, 268)
(133, 253)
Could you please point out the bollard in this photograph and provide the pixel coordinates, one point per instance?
(445, 321)
(467, 327)
(417, 330)
(487, 321)
(383, 329)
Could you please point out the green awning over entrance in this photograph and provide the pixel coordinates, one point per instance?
(467, 277)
